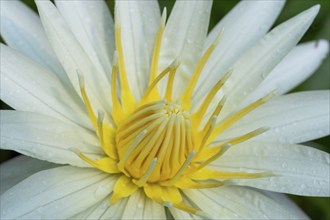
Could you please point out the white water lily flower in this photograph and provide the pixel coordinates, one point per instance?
(156, 119)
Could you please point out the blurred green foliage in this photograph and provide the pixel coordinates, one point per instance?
(316, 208)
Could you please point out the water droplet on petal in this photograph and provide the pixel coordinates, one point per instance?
(104, 205)
(284, 165)
(100, 191)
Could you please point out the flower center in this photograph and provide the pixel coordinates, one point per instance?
(156, 139)
(158, 144)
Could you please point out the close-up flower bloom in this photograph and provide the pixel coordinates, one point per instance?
(149, 116)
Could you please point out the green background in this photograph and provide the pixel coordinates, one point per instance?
(316, 208)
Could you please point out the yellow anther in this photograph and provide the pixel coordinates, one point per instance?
(204, 106)
(182, 169)
(158, 42)
(226, 145)
(105, 164)
(100, 118)
(146, 176)
(170, 81)
(186, 98)
(130, 149)
(206, 134)
(117, 111)
(215, 113)
(240, 114)
(152, 86)
(88, 105)
(127, 98)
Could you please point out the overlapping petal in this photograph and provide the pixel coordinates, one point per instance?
(296, 67)
(26, 34)
(139, 22)
(184, 37)
(28, 86)
(254, 66)
(73, 57)
(46, 138)
(296, 169)
(292, 118)
(242, 27)
(92, 25)
(19, 168)
(141, 207)
(56, 193)
(232, 202)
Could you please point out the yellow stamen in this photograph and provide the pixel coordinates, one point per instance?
(206, 174)
(207, 134)
(117, 111)
(152, 87)
(240, 114)
(146, 176)
(124, 187)
(105, 164)
(170, 82)
(128, 100)
(215, 114)
(182, 169)
(130, 149)
(200, 113)
(224, 146)
(86, 100)
(187, 183)
(106, 145)
(186, 98)
(158, 41)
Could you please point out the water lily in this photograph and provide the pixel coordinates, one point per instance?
(154, 118)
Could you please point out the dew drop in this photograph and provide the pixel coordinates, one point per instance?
(189, 41)
(100, 191)
(49, 154)
(104, 205)
(284, 165)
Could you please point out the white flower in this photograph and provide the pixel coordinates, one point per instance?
(154, 117)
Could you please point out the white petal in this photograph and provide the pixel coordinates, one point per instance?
(286, 203)
(232, 202)
(179, 214)
(27, 86)
(243, 26)
(184, 38)
(139, 21)
(295, 68)
(22, 30)
(252, 68)
(104, 210)
(297, 169)
(19, 168)
(141, 207)
(73, 58)
(92, 25)
(56, 193)
(292, 118)
(46, 138)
